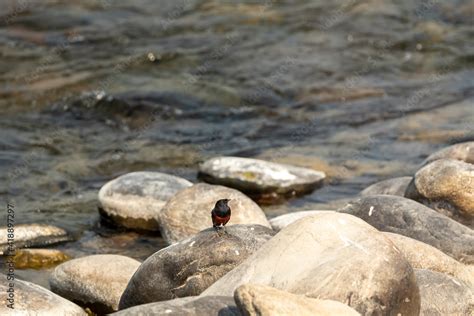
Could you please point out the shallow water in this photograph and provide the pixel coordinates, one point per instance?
(363, 90)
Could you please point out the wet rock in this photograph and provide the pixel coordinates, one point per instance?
(32, 299)
(409, 218)
(38, 258)
(258, 178)
(186, 306)
(395, 186)
(32, 235)
(424, 256)
(189, 211)
(350, 262)
(461, 151)
(442, 294)
(134, 199)
(262, 300)
(182, 270)
(280, 222)
(446, 185)
(95, 281)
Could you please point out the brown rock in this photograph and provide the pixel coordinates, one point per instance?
(424, 256)
(38, 258)
(447, 186)
(189, 211)
(443, 295)
(261, 300)
(32, 299)
(95, 281)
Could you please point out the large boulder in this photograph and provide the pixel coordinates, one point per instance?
(261, 300)
(446, 185)
(409, 218)
(31, 235)
(182, 270)
(394, 186)
(443, 295)
(280, 222)
(331, 256)
(31, 299)
(424, 256)
(95, 281)
(461, 151)
(189, 211)
(260, 178)
(186, 306)
(133, 200)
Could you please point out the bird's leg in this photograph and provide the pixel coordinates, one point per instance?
(218, 229)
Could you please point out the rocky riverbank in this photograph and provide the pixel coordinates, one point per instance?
(380, 254)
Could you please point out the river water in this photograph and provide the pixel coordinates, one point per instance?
(90, 90)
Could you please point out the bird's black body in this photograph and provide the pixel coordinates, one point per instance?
(220, 214)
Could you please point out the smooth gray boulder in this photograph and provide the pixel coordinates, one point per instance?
(331, 256)
(424, 256)
(32, 299)
(95, 281)
(133, 200)
(394, 186)
(186, 306)
(261, 300)
(447, 186)
(189, 211)
(280, 222)
(443, 295)
(461, 151)
(409, 218)
(259, 177)
(32, 235)
(189, 267)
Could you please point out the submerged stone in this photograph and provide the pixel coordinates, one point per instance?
(260, 179)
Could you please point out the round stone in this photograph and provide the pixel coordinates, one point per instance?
(181, 269)
(259, 178)
(253, 299)
(95, 281)
(442, 294)
(189, 211)
(135, 199)
(32, 299)
(447, 186)
(32, 235)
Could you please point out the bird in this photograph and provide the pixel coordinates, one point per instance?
(220, 214)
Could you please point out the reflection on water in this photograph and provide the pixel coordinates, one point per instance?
(362, 90)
